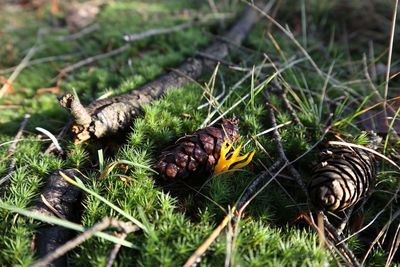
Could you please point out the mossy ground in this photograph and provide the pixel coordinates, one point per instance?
(181, 217)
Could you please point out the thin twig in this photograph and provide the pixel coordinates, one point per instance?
(21, 65)
(395, 215)
(341, 245)
(130, 38)
(152, 32)
(42, 60)
(281, 151)
(71, 37)
(18, 136)
(13, 148)
(113, 255)
(91, 60)
(105, 223)
(286, 102)
(127, 229)
(332, 238)
(252, 190)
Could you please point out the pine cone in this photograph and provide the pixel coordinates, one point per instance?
(341, 178)
(196, 154)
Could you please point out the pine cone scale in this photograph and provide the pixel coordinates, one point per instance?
(199, 154)
(208, 143)
(181, 159)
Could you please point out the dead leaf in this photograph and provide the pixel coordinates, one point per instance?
(6, 89)
(52, 90)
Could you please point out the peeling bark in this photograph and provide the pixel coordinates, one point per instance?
(61, 199)
(111, 115)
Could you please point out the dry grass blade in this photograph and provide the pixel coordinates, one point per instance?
(339, 143)
(50, 207)
(390, 51)
(244, 200)
(330, 237)
(394, 247)
(380, 234)
(291, 37)
(52, 138)
(258, 88)
(60, 135)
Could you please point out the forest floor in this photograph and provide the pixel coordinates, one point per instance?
(326, 70)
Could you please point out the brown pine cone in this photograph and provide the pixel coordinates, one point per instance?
(196, 154)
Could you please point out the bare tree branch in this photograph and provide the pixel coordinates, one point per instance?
(111, 115)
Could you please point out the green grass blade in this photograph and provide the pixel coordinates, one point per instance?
(78, 183)
(64, 223)
(389, 130)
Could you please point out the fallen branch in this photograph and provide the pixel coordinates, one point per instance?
(111, 115)
(129, 38)
(63, 200)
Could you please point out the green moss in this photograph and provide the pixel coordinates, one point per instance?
(180, 217)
